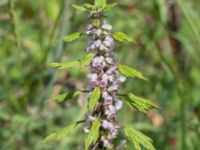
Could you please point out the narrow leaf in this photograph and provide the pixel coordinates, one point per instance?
(69, 65)
(93, 134)
(58, 98)
(72, 37)
(89, 6)
(54, 64)
(122, 37)
(138, 138)
(60, 134)
(130, 72)
(66, 65)
(141, 104)
(110, 6)
(94, 98)
(100, 4)
(81, 8)
(65, 96)
(87, 59)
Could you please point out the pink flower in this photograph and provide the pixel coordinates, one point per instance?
(104, 94)
(86, 130)
(121, 79)
(103, 83)
(106, 143)
(110, 111)
(111, 69)
(108, 41)
(112, 135)
(105, 124)
(106, 26)
(108, 100)
(93, 78)
(118, 105)
(97, 61)
(103, 47)
(113, 88)
(109, 60)
(91, 118)
(97, 32)
(111, 78)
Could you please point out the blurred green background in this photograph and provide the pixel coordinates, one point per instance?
(167, 35)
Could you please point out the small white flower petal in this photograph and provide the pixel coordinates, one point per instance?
(118, 105)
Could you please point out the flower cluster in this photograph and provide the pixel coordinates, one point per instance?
(105, 75)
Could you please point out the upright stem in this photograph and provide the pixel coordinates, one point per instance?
(174, 25)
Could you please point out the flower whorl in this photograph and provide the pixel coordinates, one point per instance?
(104, 74)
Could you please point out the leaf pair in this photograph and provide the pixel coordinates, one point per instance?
(99, 4)
(139, 103)
(138, 138)
(80, 63)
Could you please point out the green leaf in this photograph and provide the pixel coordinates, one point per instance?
(93, 134)
(81, 8)
(65, 96)
(66, 65)
(122, 37)
(87, 59)
(60, 134)
(141, 104)
(96, 23)
(138, 138)
(72, 37)
(89, 6)
(94, 98)
(54, 64)
(110, 6)
(130, 72)
(101, 4)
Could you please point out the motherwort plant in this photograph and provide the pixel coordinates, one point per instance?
(106, 76)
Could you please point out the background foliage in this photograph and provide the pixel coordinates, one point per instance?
(166, 50)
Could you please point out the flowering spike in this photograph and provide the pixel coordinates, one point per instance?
(106, 77)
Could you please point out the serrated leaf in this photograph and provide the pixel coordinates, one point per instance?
(101, 4)
(110, 6)
(122, 37)
(69, 65)
(72, 37)
(96, 23)
(81, 8)
(60, 134)
(138, 138)
(65, 96)
(65, 65)
(141, 104)
(94, 98)
(87, 59)
(54, 64)
(130, 72)
(93, 134)
(88, 6)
